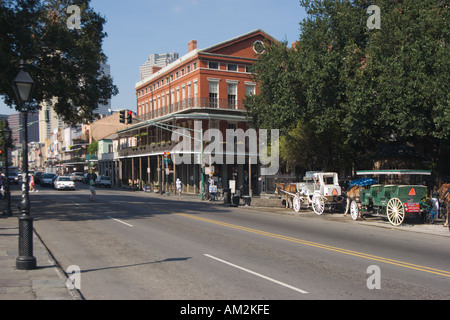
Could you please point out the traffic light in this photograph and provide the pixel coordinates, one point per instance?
(130, 117)
(47, 116)
(122, 116)
(167, 157)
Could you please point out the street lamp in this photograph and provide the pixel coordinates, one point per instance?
(7, 136)
(23, 87)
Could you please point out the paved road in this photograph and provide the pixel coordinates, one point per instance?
(132, 245)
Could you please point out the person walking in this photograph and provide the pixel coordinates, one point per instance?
(92, 188)
(32, 188)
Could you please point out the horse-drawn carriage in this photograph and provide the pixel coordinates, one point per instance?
(392, 200)
(318, 191)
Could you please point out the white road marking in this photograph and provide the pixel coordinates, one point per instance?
(127, 224)
(257, 274)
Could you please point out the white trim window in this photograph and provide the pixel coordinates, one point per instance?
(250, 89)
(232, 67)
(213, 65)
(213, 94)
(232, 95)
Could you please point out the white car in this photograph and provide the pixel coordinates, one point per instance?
(64, 183)
(77, 176)
(103, 181)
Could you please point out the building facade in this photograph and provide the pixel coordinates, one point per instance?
(204, 89)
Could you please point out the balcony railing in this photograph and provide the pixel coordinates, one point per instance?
(205, 103)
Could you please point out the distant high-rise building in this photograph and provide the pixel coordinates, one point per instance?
(155, 62)
(54, 121)
(15, 123)
(103, 109)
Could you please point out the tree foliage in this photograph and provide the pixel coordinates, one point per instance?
(358, 88)
(64, 63)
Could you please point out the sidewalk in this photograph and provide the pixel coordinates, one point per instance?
(46, 282)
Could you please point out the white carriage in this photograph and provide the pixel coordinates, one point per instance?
(320, 189)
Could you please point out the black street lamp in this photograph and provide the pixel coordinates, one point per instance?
(7, 136)
(23, 87)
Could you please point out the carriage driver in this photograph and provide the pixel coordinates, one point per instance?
(435, 198)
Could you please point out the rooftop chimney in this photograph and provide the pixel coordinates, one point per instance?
(192, 45)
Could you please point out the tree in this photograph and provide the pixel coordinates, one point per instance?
(65, 64)
(361, 88)
(303, 147)
(93, 148)
(276, 106)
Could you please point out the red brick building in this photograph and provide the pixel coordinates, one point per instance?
(207, 85)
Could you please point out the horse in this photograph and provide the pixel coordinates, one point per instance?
(444, 196)
(287, 187)
(351, 195)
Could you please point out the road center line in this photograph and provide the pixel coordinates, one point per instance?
(127, 224)
(257, 274)
(323, 246)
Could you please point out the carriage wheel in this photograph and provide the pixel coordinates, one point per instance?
(395, 211)
(318, 204)
(296, 203)
(354, 210)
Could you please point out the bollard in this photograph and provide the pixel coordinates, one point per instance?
(26, 260)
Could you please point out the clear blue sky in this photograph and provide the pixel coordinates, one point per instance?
(137, 28)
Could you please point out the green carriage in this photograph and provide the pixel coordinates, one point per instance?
(392, 200)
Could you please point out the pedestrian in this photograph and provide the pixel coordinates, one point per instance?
(32, 188)
(178, 186)
(92, 188)
(435, 200)
(2, 180)
(211, 189)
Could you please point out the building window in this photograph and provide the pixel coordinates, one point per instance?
(250, 89)
(213, 65)
(232, 67)
(259, 47)
(183, 97)
(232, 96)
(213, 94)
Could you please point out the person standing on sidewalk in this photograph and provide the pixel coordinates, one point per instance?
(92, 188)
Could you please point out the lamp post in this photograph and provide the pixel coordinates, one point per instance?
(7, 136)
(23, 87)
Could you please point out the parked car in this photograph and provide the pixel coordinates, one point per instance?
(13, 178)
(37, 177)
(64, 183)
(104, 181)
(77, 176)
(47, 179)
